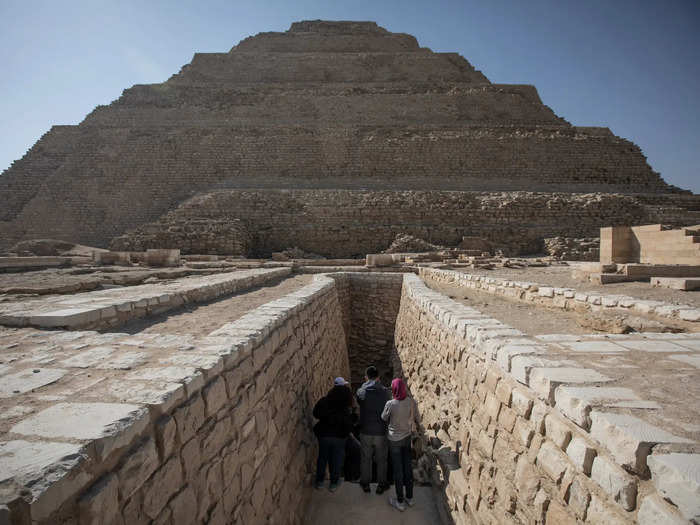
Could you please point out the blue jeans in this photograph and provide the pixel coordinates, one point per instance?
(401, 464)
(331, 452)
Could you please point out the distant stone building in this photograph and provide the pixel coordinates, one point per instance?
(333, 137)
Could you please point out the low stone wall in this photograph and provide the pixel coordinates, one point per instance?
(508, 454)
(226, 441)
(104, 309)
(569, 299)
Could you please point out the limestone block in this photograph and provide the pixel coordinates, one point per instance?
(67, 317)
(552, 460)
(521, 402)
(184, 506)
(690, 314)
(189, 376)
(523, 431)
(139, 464)
(215, 396)
(29, 380)
(615, 481)
(190, 417)
(581, 454)
(110, 425)
(166, 481)
(544, 381)
(545, 291)
(160, 395)
(576, 402)
(677, 478)
(655, 511)
(578, 498)
(599, 512)
(628, 438)
(557, 431)
(505, 354)
(99, 505)
(52, 472)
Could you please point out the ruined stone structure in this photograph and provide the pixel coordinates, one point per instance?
(651, 244)
(215, 428)
(333, 137)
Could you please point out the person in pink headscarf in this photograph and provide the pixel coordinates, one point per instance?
(399, 413)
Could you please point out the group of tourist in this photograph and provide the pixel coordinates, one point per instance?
(386, 423)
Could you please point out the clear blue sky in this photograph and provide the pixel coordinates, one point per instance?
(631, 65)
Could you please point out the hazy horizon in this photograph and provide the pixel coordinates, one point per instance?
(632, 66)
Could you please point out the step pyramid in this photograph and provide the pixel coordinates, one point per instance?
(334, 137)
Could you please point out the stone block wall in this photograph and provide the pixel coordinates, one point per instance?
(231, 443)
(345, 223)
(650, 244)
(508, 454)
(371, 303)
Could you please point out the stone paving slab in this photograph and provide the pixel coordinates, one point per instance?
(113, 307)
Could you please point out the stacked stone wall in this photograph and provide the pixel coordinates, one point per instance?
(508, 455)
(328, 222)
(414, 104)
(373, 304)
(233, 444)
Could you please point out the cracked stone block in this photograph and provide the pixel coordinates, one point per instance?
(628, 438)
(693, 344)
(552, 460)
(507, 352)
(652, 346)
(111, 425)
(187, 375)
(88, 358)
(161, 394)
(615, 481)
(29, 380)
(49, 471)
(677, 477)
(594, 346)
(576, 402)
(544, 381)
(124, 361)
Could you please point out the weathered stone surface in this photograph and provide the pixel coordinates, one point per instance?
(28, 380)
(576, 402)
(615, 481)
(110, 425)
(654, 511)
(544, 381)
(628, 438)
(51, 471)
(677, 478)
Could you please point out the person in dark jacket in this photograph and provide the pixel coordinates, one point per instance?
(372, 396)
(334, 412)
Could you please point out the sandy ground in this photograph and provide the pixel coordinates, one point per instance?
(350, 506)
(528, 318)
(560, 276)
(203, 318)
